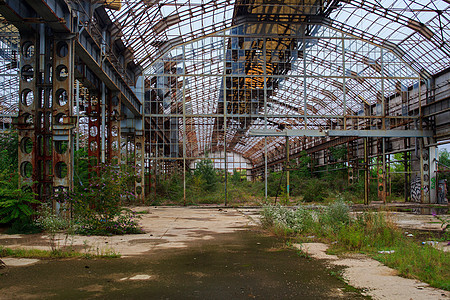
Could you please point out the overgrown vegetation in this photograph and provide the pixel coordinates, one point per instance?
(96, 206)
(15, 202)
(206, 185)
(369, 232)
(45, 254)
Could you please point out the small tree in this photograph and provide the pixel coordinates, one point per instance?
(236, 177)
(205, 170)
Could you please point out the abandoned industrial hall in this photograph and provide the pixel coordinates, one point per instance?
(249, 86)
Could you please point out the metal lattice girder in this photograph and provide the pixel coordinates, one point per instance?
(350, 133)
(417, 30)
(342, 79)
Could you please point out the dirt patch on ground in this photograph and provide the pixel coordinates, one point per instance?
(379, 281)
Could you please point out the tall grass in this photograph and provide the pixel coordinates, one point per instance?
(55, 254)
(368, 232)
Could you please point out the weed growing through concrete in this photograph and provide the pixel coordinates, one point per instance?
(368, 232)
(45, 254)
(97, 206)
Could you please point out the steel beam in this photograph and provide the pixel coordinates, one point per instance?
(352, 133)
(58, 17)
(105, 70)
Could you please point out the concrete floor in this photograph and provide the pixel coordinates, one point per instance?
(165, 227)
(181, 230)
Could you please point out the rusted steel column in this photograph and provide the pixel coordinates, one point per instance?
(350, 163)
(381, 170)
(287, 166)
(63, 121)
(113, 126)
(93, 113)
(139, 165)
(366, 174)
(28, 112)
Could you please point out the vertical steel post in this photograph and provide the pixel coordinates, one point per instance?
(225, 112)
(93, 113)
(114, 110)
(103, 124)
(287, 167)
(384, 172)
(265, 118)
(433, 174)
(77, 102)
(405, 186)
(184, 125)
(344, 91)
(422, 183)
(305, 120)
(62, 125)
(31, 99)
(366, 174)
(383, 126)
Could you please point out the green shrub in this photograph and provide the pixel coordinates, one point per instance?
(205, 170)
(15, 203)
(337, 213)
(98, 208)
(314, 190)
(297, 220)
(9, 145)
(369, 232)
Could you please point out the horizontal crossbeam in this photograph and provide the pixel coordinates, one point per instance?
(354, 133)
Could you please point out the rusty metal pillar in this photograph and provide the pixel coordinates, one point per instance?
(366, 173)
(139, 166)
(350, 163)
(63, 121)
(113, 128)
(287, 167)
(381, 170)
(93, 113)
(31, 100)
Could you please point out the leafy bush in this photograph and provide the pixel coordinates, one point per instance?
(9, 147)
(97, 208)
(337, 214)
(314, 190)
(15, 203)
(205, 170)
(296, 220)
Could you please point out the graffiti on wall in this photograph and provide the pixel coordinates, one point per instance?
(415, 189)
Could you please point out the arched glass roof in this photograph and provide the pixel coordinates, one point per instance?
(417, 30)
(271, 81)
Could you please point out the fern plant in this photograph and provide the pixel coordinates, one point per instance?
(15, 203)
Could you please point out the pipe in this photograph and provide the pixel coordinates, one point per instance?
(102, 125)
(366, 175)
(287, 167)
(77, 101)
(42, 48)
